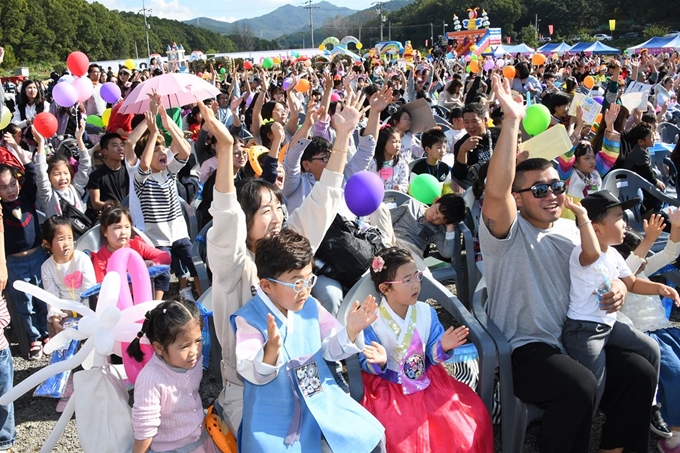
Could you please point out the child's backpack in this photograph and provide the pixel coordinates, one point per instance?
(347, 251)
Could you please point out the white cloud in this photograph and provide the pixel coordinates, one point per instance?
(170, 10)
(229, 19)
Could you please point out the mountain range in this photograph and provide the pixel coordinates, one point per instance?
(284, 20)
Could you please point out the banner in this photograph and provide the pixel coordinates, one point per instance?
(507, 38)
(612, 24)
(550, 29)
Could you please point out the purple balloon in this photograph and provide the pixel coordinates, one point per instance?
(65, 94)
(599, 99)
(288, 82)
(489, 65)
(364, 192)
(110, 92)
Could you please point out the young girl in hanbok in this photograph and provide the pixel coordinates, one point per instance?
(422, 408)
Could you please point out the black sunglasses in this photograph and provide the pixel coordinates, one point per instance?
(324, 158)
(541, 190)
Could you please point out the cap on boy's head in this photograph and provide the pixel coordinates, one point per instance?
(598, 203)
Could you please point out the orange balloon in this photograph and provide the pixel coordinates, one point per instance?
(282, 153)
(589, 82)
(538, 59)
(598, 119)
(302, 86)
(474, 66)
(509, 72)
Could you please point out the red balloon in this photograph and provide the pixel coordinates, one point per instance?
(248, 65)
(77, 63)
(46, 124)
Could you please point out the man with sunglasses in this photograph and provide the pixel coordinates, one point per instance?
(526, 249)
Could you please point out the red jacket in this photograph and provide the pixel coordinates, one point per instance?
(101, 259)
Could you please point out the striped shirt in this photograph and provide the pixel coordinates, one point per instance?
(157, 192)
(4, 322)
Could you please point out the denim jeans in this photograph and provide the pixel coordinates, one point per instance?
(7, 429)
(33, 311)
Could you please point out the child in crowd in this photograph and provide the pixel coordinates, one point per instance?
(240, 160)
(283, 337)
(414, 226)
(56, 189)
(410, 146)
(387, 163)
(194, 119)
(7, 428)
(156, 186)
(67, 272)
(420, 405)
(168, 414)
(649, 315)
(111, 181)
(640, 161)
(116, 227)
(23, 246)
(455, 134)
(592, 267)
(434, 144)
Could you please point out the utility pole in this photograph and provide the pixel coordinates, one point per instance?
(537, 21)
(431, 34)
(444, 24)
(146, 29)
(308, 5)
(379, 8)
(389, 31)
(359, 33)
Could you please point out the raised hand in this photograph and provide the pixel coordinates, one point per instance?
(39, 139)
(576, 207)
(381, 99)
(151, 123)
(154, 102)
(346, 118)
(277, 130)
(375, 353)
(611, 114)
(654, 227)
(511, 108)
(674, 217)
(361, 316)
(225, 141)
(235, 103)
(453, 338)
(274, 341)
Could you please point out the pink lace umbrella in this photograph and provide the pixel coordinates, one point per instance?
(175, 89)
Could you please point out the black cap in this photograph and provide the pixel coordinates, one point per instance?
(598, 202)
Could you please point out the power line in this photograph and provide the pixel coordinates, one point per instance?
(146, 29)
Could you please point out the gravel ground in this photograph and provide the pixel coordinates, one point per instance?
(36, 417)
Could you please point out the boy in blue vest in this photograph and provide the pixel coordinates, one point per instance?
(283, 337)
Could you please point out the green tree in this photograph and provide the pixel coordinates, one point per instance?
(529, 36)
(653, 30)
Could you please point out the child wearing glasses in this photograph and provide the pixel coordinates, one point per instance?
(283, 338)
(402, 376)
(593, 265)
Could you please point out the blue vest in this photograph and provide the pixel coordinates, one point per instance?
(269, 416)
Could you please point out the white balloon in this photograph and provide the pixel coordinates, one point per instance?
(88, 362)
(51, 299)
(137, 312)
(110, 290)
(88, 325)
(57, 341)
(103, 341)
(126, 332)
(109, 317)
(39, 376)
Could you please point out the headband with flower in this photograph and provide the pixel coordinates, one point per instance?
(378, 264)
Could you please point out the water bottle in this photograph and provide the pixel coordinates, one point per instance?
(603, 283)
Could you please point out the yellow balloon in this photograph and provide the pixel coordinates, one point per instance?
(5, 118)
(322, 47)
(277, 60)
(359, 46)
(130, 64)
(106, 116)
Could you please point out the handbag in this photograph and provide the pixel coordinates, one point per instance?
(103, 415)
(80, 223)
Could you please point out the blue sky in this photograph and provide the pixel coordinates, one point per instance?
(229, 10)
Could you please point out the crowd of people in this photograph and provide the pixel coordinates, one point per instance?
(273, 156)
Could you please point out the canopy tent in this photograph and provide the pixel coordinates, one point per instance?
(497, 51)
(520, 48)
(593, 47)
(554, 48)
(655, 44)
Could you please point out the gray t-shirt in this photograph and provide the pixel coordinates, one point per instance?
(527, 276)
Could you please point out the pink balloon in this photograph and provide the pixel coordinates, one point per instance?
(127, 261)
(133, 367)
(83, 87)
(468, 58)
(500, 63)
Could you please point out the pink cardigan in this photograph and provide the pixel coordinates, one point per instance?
(167, 405)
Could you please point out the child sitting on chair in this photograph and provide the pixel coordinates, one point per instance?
(283, 338)
(434, 143)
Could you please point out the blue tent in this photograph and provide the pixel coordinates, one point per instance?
(547, 48)
(593, 47)
(653, 44)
